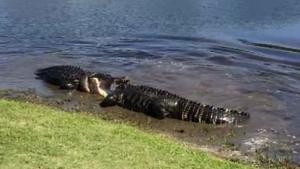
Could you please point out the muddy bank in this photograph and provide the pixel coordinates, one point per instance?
(219, 140)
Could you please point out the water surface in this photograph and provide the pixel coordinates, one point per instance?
(238, 54)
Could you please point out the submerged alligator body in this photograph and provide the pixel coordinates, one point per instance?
(160, 103)
(72, 77)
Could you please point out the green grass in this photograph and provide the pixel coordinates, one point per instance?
(35, 136)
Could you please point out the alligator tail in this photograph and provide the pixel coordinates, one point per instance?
(197, 112)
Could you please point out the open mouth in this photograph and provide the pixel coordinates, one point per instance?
(96, 86)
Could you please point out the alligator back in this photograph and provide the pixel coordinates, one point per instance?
(190, 110)
(136, 101)
(65, 76)
(151, 91)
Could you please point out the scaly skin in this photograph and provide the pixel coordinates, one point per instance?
(72, 77)
(136, 101)
(172, 105)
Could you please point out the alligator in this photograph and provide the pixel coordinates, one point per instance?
(72, 77)
(161, 103)
(135, 100)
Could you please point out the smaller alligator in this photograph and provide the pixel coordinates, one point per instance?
(160, 103)
(72, 77)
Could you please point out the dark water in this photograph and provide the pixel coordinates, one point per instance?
(235, 53)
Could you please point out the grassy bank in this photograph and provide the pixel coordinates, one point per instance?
(34, 136)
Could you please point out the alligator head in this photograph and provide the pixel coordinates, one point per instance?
(111, 99)
(95, 87)
(109, 82)
(99, 83)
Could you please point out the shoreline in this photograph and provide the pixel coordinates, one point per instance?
(83, 103)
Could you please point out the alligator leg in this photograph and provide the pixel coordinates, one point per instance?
(161, 108)
(157, 111)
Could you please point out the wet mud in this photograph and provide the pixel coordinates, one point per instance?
(223, 141)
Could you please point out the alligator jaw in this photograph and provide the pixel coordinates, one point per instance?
(94, 85)
(84, 85)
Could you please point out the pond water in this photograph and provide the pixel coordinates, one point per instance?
(238, 54)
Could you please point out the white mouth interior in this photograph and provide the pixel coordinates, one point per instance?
(95, 87)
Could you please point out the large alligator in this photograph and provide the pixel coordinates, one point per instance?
(160, 103)
(137, 101)
(72, 77)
